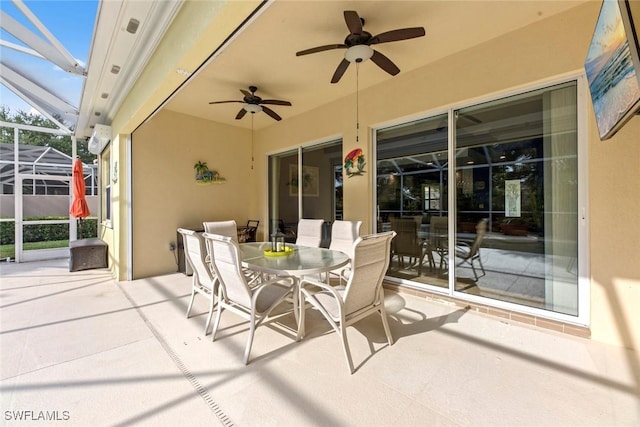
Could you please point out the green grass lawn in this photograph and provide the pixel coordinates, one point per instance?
(10, 250)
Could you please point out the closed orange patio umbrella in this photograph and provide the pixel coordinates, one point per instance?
(79, 208)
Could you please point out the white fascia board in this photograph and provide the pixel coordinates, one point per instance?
(157, 19)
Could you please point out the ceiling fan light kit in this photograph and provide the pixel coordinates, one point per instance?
(358, 53)
(252, 108)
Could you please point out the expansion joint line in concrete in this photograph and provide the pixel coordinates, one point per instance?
(202, 391)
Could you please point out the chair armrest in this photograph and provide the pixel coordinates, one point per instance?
(306, 282)
(279, 281)
(462, 249)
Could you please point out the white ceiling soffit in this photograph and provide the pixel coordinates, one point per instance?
(50, 49)
(125, 36)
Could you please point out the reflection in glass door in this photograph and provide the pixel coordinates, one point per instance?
(306, 181)
(516, 199)
(412, 167)
(283, 193)
(514, 236)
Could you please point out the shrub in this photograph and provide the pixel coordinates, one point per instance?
(45, 232)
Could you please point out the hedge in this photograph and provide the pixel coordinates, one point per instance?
(45, 232)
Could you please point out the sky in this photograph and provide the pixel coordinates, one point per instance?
(71, 22)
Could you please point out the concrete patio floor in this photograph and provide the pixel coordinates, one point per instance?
(80, 349)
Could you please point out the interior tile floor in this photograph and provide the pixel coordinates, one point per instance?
(80, 349)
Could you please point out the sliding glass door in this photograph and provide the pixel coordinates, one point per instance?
(516, 199)
(305, 183)
(508, 228)
(412, 188)
(283, 193)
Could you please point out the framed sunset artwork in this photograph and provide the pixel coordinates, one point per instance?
(612, 67)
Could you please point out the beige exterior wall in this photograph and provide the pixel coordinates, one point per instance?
(165, 149)
(111, 231)
(165, 193)
(614, 227)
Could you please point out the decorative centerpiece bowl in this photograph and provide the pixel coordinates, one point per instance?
(287, 251)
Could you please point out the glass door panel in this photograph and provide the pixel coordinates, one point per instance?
(516, 199)
(314, 189)
(283, 194)
(320, 190)
(411, 194)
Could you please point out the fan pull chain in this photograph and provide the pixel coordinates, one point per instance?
(251, 141)
(357, 102)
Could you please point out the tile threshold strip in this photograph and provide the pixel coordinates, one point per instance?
(224, 419)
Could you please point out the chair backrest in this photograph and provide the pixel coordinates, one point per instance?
(481, 230)
(227, 264)
(248, 232)
(370, 262)
(227, 228)
(195, 253)
(309, 232)
(343, 235)
(406, 242)
(438, 229)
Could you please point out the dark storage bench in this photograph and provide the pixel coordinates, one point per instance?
(86, 254)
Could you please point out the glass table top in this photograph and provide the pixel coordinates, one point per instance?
(303, 260)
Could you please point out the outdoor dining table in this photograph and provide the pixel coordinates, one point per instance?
(302, 261)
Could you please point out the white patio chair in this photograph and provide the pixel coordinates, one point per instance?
(309, 232)
(362, 296)
(228, 228)
(343, 236)
(203, 280)
(223, 228)
(234, 293)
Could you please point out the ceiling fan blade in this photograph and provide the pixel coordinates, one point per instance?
(353, 21)
(385, 63)
(275, 102)
(271, 113)
(321, 49)
(396, 35)
(241, 114)
(225, 102)
(342, 67)
(246, 93)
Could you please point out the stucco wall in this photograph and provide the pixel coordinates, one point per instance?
(165, 193)
(614, 225)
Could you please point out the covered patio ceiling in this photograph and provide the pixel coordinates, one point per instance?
(263, 53)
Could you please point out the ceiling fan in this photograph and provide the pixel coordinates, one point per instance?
(358, 44)
(254, 104)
